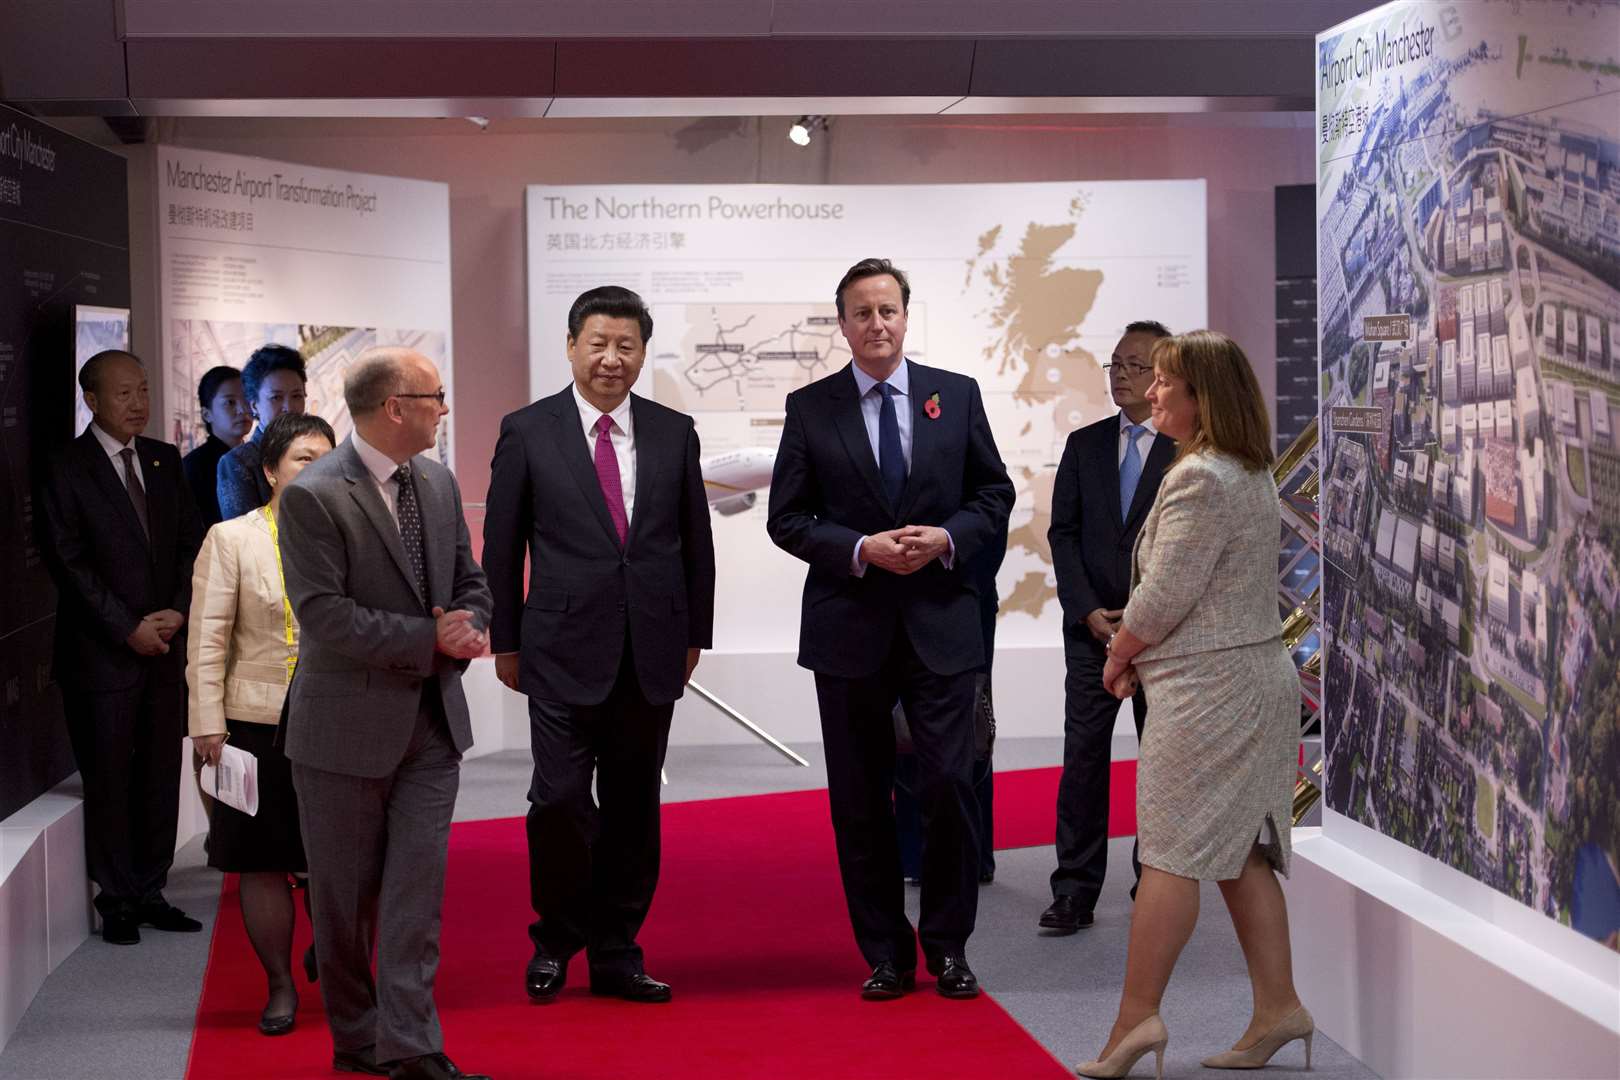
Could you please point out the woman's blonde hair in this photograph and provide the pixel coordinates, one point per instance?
(1231, 410)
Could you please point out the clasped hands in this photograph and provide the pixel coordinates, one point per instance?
(151, 636)
(458, 637)
(905, 550)
(1119, 676)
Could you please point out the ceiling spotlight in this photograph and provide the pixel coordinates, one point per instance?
(481, 122)
(804, 127)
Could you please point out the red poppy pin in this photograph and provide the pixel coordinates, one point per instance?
(931, 407)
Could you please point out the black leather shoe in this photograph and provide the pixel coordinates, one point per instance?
(358, 1061)
(955, 978)
(888, 982)
(278, 1025)
(641, 988)
(122, 929)
(987, 877)
(545, 977)
(162, 915)
(1066, 915)
(429, 1067)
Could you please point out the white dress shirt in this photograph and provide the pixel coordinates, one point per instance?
(1144, 438)
(623, 437)
(114, 449)
(382, 469)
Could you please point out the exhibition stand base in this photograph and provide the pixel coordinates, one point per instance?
(1414, 983)
(44, 895)
(749, 926)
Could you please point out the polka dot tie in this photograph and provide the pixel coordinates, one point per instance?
(410, 526)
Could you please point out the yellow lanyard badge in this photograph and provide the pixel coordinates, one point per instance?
(286, 604)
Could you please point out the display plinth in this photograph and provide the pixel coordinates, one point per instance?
(1415, 985)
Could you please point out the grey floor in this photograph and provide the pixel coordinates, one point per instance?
(127, 1013)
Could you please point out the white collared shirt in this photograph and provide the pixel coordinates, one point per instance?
(1144, 438)
(114, 449)
(382, 469)
(623, 437)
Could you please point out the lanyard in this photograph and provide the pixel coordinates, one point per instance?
(286, 604)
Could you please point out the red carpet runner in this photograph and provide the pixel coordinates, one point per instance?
(749, 926)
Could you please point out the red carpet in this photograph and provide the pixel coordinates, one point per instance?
(749, 926)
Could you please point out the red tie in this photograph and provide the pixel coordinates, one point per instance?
(607, 474)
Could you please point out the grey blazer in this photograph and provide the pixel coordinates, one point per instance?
(367, 641)
(1204, 574)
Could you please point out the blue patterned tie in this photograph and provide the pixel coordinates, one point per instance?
(891, 459)
(1130, 470)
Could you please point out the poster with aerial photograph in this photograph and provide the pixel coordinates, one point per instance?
(1469, 308)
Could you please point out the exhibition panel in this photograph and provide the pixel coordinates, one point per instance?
(330, 262)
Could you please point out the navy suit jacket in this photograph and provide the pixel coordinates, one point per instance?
(1091, 544)
(587, 593)
(826, 494)
(109, 576)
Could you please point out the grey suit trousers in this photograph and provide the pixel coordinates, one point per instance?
(377, 850)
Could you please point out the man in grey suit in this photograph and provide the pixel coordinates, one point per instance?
(391, 607)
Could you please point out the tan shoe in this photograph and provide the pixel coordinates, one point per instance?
(1150, 1034)
(1296, 1025)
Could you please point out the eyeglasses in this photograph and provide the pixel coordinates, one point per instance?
(437, 396)
(1132, 371)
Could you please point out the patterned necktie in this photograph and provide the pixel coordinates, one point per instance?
(607, 474)
(137, 493)
(410, 526)
(891, 458)
(1130, 470)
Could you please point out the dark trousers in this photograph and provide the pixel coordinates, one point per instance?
(593, 869)
(857, 726)
(127, 746)
(1089, 711)
(908, 815)
(377, 848)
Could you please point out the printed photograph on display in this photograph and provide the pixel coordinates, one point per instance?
(95, 329)
(1025, 287)
(195, 345)
(1469, 311)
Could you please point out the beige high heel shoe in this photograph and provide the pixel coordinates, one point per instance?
(1150, 1034)
(1296, 1025)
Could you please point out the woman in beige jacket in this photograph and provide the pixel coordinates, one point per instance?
(1216, 771)
(241, 653)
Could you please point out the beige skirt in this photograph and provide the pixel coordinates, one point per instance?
(1220, 753)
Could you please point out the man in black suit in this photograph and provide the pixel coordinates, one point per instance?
(604, 492)
(1106, 482)
(120, 536)
(888, 484)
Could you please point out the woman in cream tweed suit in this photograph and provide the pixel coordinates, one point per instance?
(1216, 771)
(240, 655)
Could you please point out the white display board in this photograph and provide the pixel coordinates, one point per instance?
(329, 262)
(1026, 287)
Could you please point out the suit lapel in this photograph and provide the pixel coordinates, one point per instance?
(921, 387)
(570, 439)
(161, 511)
(1108, 466)
(1159, 455)
(650, 455)
(846, 409)
(363, 489)
(105, 476)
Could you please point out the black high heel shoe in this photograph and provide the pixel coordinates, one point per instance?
(278, 1025)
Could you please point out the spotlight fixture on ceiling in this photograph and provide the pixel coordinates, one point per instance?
(804, 127)
(480, 122)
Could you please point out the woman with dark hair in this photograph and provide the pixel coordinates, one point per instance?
(275, 382)
(227, 418)
(1215, 775)
(240, 657)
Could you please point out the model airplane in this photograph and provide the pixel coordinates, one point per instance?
(733, 479)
